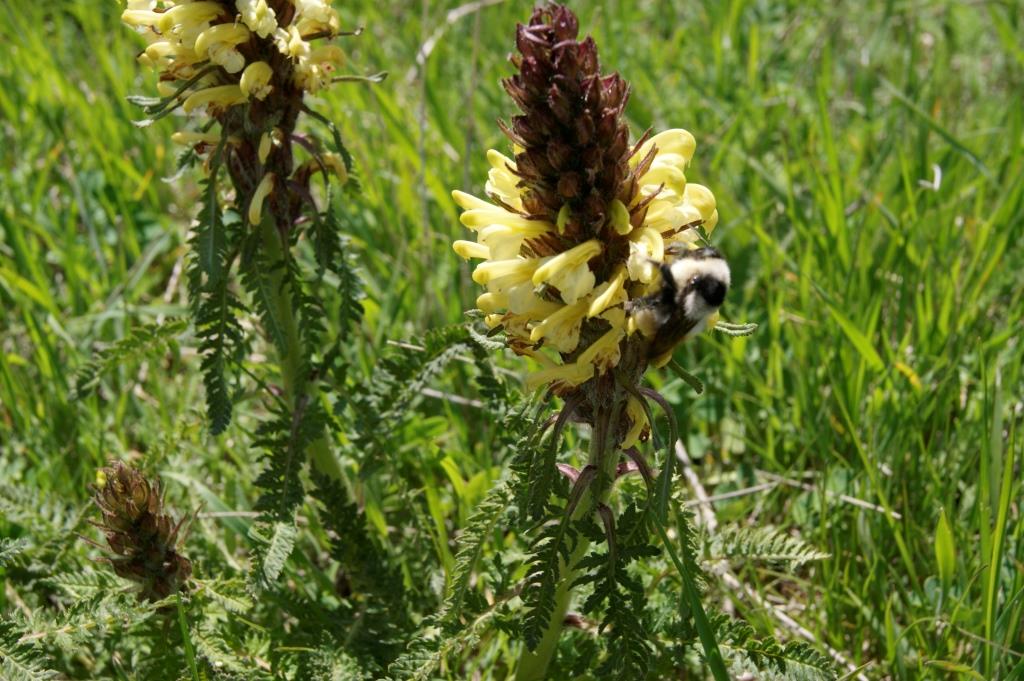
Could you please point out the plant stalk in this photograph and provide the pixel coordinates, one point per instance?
(298, 390)
(533, 665)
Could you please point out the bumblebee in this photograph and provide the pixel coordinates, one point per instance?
(693, 287)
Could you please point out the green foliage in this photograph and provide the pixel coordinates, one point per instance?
(769, 659)
(477, 531)
(376, 407)
(880, 387)
(553, 545)
(264, 279)
(10, 548)
(144, 341)
(20, 660)
(215, 307)
(619, 595)
(767, 544)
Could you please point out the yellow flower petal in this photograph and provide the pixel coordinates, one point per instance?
(604, 353)
(675, 141)
(255, 80)
(229, 34)
(220, 95)
(573, 283)
(471, 249)
(492, 302)
(258, 16)
(646, 251)
(517, 269)
(492, 215)
(523, 301)
(141, 17)
(501, 181)
(671, 177)
(187, 137)
(263, 190)
(620, 217)
(638, 420)
(613, 291)
(335, 163)
(189, 15)
(572, 374)
(574, 257)
(503, 242)
(468, 201)
(701, 198)
(711, 222)
(561, 329)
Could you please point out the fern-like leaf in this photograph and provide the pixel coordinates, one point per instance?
(370, 575)
(19, 660)
(263, 280)
(471, 544)
(764, 544)
(428, 650)
(550, 550)
(383, 402)
(143, 341)
(214, 306)
(10, 549)
(276, 542)
(621, 596)
(770, 659)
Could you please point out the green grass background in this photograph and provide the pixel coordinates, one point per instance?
(887, 365)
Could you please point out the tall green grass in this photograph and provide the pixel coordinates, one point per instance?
(883, 387)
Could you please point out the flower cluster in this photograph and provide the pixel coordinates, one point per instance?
(247, 64)
(577, 224)
(143, 538)
(248, 39)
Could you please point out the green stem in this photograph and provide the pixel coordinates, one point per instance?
(533, 665)
(186, 639)
(297, 389)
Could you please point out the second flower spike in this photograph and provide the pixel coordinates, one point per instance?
(580, 229)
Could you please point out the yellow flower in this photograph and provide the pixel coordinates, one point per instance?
(564, 253)
(187, 36)
(255, 81)
(187, 137)
(258, 16)
(187, 18)
(544, 292)
(501, 180)
(568, 271)
(263, 190)
(638, 423)
(290, 43)
(220, 96)
(568, 375)
(561, 330)
(218, 42)
(336, 164)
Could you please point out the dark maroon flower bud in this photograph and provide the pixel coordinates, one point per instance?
(142, 538)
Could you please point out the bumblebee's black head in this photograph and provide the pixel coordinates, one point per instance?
(711, 288)
(702, 272)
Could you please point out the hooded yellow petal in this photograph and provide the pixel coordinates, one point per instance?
(263, 190)
(471, 249)
(220, 95)
(572, 374)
